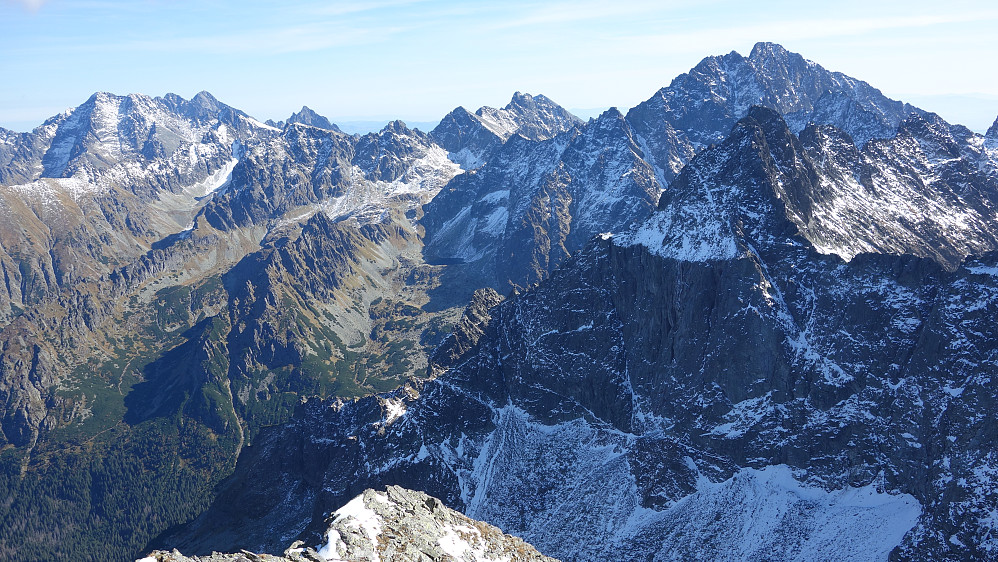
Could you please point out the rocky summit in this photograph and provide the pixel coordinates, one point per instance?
(396, 525)
(750, 318)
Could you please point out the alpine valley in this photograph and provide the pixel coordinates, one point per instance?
(752, 318)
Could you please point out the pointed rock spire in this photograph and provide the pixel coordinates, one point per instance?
(309, 117)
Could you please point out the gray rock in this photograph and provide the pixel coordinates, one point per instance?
(471, 137)
(396, 525)
(515, 219)
(700, 107)
(308, 117)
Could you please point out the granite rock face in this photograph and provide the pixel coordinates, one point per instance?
(469, 329)
(929, 191)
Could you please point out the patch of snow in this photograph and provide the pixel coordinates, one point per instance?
(356, 514)
(664, 236)
(983, 270)
(394, 409)
(744, 415)
(49, 191)
(426, 175)
(455, 542)
(423, 453)
(495, 222)
(954, 392)
(768, 514)
(755, 514)
(502, 122)
(461, 229)
(467, 159)
(214, 182)
(260, 125)
(495, 197)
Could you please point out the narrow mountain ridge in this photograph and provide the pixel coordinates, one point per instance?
(471, 137)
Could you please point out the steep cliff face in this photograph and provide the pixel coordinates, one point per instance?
(929, 191)
(468, 330)
(664, 387)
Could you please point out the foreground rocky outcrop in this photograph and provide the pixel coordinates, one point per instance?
(397, 525)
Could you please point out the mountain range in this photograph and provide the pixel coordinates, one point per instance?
(749, 318)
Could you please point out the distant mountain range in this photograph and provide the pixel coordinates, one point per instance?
(749, 318)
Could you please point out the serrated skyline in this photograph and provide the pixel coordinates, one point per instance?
(417, 59)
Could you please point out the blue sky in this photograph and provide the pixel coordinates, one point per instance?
(417, 60)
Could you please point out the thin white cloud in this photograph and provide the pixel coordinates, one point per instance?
(350, 7)
(574, 12)
(293, 39)
(805, 29)
(30, 5)
(254, 42)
